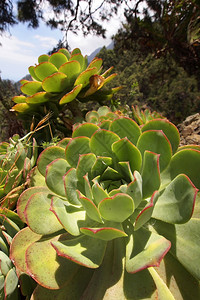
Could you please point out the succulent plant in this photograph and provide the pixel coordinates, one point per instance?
(16, 160)
(114, 216)
(142, 116)
(59, 79)
(13, 283)
(104, 113)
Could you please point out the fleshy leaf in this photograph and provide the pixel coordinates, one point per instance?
(101, 142)
(77, 146)
(44, 70)
(98, 193)
(71, 69)
(176, 203)
(11, 283)
(71, 95)
(40, 97)
(74, 288)
(3, 244)
(185, 239)
(111, 173)
(85, 129)
(5, 263)
(65, 52)
(125, 170)
(146, 252)
(91, 209)
(109, 78)
(43, 58)
(54, 175)
(105, 124)
(145, 215)
(23, 199)
(55, 83)
(64, 142)
(20, 243)
(125, 127)
(68, 215)
(31, 70)
(157, 142)
(31, 87)
(168, 128)
(109, 232)
(103, 110)
(11, 227)
(190, 167)
(70, 181)
(43, 263)
(100, 165)
(58, 59)
(117, 208)
(126, 151)
(36, 178)
(92, 116)
(79, 58)
(46, 222)
(150, 173)
(47, 156)
(13, 216)
(21, 107)
(85, 163)
(82, 250)
(134, 189)
(87, 187)
(163, 291)
(96, 62)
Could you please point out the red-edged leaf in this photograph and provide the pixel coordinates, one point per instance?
(82, 250)
(145, 215)
(145, 249)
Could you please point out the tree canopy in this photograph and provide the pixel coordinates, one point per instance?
(162, 25)
(66, 15)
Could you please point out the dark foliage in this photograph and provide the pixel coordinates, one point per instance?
(9, 125)
(6, 15)
(66, 15)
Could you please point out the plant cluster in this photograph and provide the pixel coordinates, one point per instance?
(14, 284)
(59, 79)
(17, 158)
(116, 201)
(110, 211)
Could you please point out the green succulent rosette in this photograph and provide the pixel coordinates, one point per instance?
(14, 284)
(16, 160)
(59, 79)
(114, 216)
(142, 116)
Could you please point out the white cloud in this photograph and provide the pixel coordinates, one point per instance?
(15, 49)
(46, 42)
(87, 44)
(15, 57)
(17, 54)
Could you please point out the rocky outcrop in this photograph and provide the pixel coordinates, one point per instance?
(190, 130)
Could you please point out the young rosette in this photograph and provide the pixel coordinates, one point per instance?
(115, 217)
(59, 79)
(17, 157)
(14, 284)
(141, 116)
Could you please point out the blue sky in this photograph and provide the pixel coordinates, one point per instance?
(21, 48)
